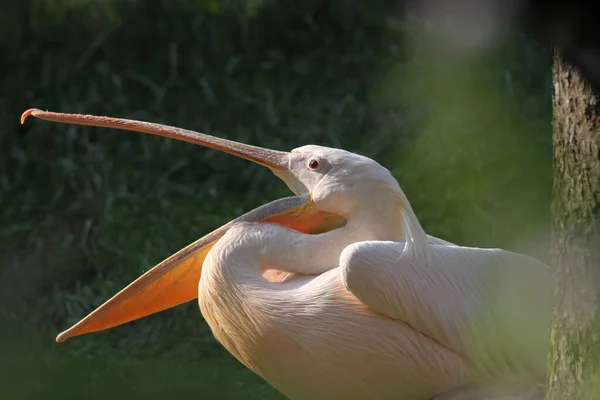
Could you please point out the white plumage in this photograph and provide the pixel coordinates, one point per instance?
(396, 319)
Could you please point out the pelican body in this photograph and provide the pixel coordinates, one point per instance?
(338, 292)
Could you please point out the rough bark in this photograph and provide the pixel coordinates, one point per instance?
(574, 355)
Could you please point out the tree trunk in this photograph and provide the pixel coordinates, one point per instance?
(574, 355)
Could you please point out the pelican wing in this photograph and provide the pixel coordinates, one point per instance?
(490, 306)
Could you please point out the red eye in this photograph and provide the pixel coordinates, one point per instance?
(313, 164)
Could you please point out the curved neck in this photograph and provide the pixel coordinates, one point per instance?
(247, 250)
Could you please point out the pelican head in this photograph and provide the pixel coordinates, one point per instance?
(339, 181)
(332, 187)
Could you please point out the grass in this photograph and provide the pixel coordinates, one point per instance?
(34, 369)
(84, 211)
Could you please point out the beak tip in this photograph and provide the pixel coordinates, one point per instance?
(62, 337)
(27, 113)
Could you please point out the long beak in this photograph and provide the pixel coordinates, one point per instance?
(175, 280)
(273, 159)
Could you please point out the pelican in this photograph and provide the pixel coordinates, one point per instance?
(337, 292)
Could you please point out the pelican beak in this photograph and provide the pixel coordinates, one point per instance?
(175, 280)
(273, 159)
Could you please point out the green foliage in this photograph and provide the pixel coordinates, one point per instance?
(30, 371)
(84, 211)
(478, 168)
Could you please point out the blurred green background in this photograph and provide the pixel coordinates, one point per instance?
(463, 125)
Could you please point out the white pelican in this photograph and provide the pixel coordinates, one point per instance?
(338, 293)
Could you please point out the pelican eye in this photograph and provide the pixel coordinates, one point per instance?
(313, 164)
